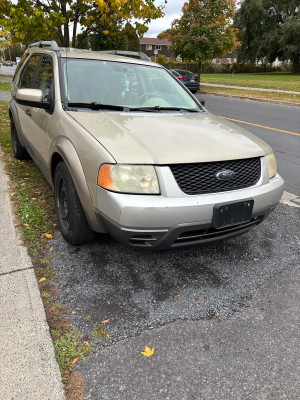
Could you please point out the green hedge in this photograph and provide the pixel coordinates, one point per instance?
(208, 67)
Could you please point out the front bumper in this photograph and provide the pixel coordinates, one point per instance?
(174, 219)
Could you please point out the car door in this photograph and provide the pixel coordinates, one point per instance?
(38, 74)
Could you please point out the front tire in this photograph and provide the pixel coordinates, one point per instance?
(19, 152)
(71, 219)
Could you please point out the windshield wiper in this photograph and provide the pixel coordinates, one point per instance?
(159, 108)
(97, 106)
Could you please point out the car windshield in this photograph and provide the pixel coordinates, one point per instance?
(123, 84)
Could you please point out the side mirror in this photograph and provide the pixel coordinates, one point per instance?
(31, 98)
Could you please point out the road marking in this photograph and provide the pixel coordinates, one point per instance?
(290, 199)
(260, 126)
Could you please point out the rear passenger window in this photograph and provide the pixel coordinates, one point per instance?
(29, 71)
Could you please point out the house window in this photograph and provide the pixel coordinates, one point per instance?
(228, 60)
(158, 47)
(148, 46)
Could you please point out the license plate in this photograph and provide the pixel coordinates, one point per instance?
(228, 214)
(192, 80)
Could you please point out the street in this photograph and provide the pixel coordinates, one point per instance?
(204, 309)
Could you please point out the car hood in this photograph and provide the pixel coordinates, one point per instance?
(169, 138)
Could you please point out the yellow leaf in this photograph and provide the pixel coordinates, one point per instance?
(217, 314)
(256, 259)
(51, 248)
(75, 360)
(177, 295)
(48, 235)
(105, 322)
(73, 312)
(87, 343)
(202, 302)
(148, 352)
(42, 279)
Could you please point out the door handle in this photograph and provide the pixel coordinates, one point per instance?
(27, 112)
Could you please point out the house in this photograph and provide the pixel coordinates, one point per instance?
(149, 45)
(228, 58)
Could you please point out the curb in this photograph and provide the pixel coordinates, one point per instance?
(28, 370)
(234, 96)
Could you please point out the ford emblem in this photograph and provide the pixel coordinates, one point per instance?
(225, 175)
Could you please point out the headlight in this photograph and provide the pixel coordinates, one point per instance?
(136, 179)
(272, 165)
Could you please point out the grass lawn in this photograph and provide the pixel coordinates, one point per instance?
(293, 98)
(277, 81)
(5, 76)
(4, 86)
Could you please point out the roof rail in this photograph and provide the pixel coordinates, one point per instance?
(45, 43)
(134, 54)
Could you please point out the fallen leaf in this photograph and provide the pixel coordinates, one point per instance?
(256, 259)
(217, 314)
(48, 235)
(297, 237)
(105, 322)
(25, 224)
(75, 360)
(51, 248)
(269, 239)
(215, 262)
(148, 352)
(177, 295)
(73, 312)
(42, 279)
(202, 302)
(87, 343)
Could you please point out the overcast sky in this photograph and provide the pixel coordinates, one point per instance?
(172, 10)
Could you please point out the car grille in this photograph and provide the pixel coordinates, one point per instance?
(201, 178)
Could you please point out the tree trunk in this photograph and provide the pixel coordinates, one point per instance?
(296, 67)
(199, 68)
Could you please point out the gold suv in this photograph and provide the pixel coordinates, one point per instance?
(130, 151)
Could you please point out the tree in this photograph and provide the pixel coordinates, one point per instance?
(119, 39)
(269, 29)
(204, 31)
(31, 20)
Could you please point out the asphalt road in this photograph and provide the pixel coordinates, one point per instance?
(223, 318)
(5, 70)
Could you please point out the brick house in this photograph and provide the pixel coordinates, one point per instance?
(148, 45)
(228, 58)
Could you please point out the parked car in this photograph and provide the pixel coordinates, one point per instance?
(129, 151)
(8, 63)
(190, 80)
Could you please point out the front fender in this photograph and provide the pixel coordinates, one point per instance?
(67, 152)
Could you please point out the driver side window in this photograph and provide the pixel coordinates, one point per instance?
(44, 77)
(28, 74)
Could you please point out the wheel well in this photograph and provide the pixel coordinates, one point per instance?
(56, 158)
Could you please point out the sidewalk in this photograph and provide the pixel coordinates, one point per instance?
(248, 88)
(28, 369)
